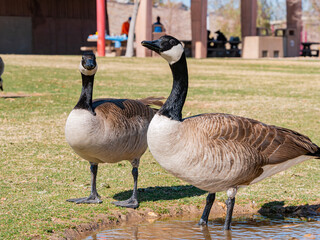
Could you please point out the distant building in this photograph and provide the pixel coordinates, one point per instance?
(62, 26)
(46, 26)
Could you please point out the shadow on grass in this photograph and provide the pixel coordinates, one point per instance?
(6, 95)
(12, 96)
(162, 193)
(279, 210)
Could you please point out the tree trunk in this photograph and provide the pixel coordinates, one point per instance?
(130, 41)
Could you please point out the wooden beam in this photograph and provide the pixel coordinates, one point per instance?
(294, 27)
(143, 27)
(199, 28)
(248, 18)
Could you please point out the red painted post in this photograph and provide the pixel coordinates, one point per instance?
(101, 27)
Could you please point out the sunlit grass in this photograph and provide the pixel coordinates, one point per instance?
(39, 171)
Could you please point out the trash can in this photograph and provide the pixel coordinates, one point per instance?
(291, 41)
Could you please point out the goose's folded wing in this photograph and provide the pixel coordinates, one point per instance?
(124, 109)
(275, 143)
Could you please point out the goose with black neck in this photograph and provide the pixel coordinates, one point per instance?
(108, 130)
(216, 151)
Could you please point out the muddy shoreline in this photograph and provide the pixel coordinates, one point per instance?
(103, 221)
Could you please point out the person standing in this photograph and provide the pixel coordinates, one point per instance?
(158, 26)
(125, 27)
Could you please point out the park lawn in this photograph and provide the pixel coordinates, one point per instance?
(39, 170)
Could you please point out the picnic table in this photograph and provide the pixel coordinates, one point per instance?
(219, 49)
(116, 41)
(307, 51)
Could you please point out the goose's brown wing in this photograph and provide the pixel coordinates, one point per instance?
(122, 111)
(275, 143)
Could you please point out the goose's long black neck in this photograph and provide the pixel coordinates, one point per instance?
(174, 104)
(85, 100)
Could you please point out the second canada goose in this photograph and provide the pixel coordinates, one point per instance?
(217, 152)
(108, 130)
(1, 72)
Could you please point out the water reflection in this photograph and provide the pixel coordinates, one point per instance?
(257, 227)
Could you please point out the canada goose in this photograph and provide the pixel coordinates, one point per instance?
(217, 152)
(107, 130)
(1, 71)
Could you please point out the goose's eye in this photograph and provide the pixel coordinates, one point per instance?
(172, 42)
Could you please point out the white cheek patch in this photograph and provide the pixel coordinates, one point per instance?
(86, 71)
(173, 55)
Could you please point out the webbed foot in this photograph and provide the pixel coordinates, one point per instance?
(129, 203)
(88, 200)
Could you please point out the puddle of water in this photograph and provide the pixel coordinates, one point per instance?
(256, 227)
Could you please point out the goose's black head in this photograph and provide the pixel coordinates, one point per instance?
(88, 65)
(1, 83)
(167, 47)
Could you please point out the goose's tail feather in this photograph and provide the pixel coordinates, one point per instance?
(157, 101)
(315, 154)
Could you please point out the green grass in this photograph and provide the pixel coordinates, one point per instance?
(39, 171)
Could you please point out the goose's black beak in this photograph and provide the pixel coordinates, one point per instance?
(89, 62)
(152, 45)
